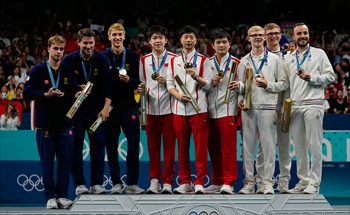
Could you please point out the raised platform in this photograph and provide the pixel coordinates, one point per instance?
(192, 205)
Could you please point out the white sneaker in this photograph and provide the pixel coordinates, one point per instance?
(51, 204)
(64, 203)
(311, 189)
(116, 189)
(198, 189)
(213, 189)
(155, 187)
(283, 186)
(97, 189)
(183, 189)
(167, 189)
(268, 189)
(134, 189)
(248, 188)
(260, 189)
(299, 188)
(227, 189)
(81, 189)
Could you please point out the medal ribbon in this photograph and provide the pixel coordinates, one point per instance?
(161, 64)
(123, 61)
(262, 62)
(194, 59)
(54, 84)
(227, 64)
(276, 52)
(87, 78)
(304, 58)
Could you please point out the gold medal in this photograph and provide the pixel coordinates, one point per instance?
(188, 65)
(155, 75)
(220, 73)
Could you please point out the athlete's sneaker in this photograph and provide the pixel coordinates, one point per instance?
(155, 187)
(51, 204)
(97, 189)
(184, 189)
(198, 189)
(116, 189)
(227, 189)
(283, 186)
(311, 189)
(248, 188)
(167, 189)
(260, 188)
(134, 189)
(299, 188)
(81, 189)
(213, 189)
(64, 203)
(268, 189)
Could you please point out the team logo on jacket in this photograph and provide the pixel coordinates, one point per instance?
(127, 66)
(179, 65)
(70, 132)
(95, 71)
(46, 81)
(293, 61)
(166, 65)
(65, 81)
(76, 72)
(46, 135)
(318, 117)
(133, 116)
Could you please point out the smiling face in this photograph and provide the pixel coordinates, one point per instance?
(158, 42)
(257, 38)
(188, 41)
(116, 37)
(301, 35)
(273, 36)
(221, 46)
(87, 45)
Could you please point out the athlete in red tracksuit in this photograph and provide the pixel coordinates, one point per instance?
(153, 72)
(186, 120)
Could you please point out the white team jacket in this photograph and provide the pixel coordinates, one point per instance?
(322, 74)
(261, 98)
(159, 100)
(217, 107)
(198, 93)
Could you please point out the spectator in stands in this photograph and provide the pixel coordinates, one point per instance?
(43, 57)
(4, 38)
(237, 48)
(326, 103)
(12, 57)
(3, 93)
(10, 119)
(340, 105)
(38, 48)
(11, 86)
(348, 97)
(71, 37)
(344, 81)
(19, 97)
(345, 66)
(2, 76)
(18, 76)
(30, 58)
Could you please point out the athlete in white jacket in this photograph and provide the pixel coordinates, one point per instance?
(259, 121)
(310, 70)
(186, 120)
(222, 145)
(153, 72)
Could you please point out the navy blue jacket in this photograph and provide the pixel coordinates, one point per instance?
(101, 77)
(123, 93)
(50, 112)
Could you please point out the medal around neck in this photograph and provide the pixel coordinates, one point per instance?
(188, 65)
(299, 71)
(220, 73)
(79, 100)
(258, 76)
(122, 72)
(155, 75)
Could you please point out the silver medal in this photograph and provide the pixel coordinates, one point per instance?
(122, 72)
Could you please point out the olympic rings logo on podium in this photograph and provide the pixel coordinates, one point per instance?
(108, 182)
(193, 176)
(29, 184)
(123, 153)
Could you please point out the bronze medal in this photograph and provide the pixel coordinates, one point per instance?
(300, 71)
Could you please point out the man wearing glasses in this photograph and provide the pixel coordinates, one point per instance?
(259, 120)
(273, 33)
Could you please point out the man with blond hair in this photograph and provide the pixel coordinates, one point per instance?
(273, 37)
(125, 66)
(52, 85)
(259, 121)
(90, 65)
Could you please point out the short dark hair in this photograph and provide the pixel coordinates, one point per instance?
(219, 34)
(299, 24)
(157, 29)
(85, 32)
(188, 29)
